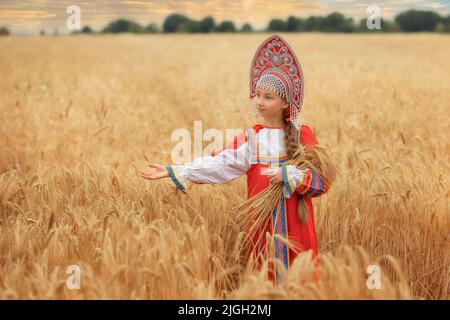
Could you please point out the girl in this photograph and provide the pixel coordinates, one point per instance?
(276, 84)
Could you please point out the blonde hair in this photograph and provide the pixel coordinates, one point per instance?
(314, 157)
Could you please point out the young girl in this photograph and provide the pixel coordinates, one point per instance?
(276, 84)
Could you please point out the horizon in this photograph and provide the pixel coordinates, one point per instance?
(32, 17)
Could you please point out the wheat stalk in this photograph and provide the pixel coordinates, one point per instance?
(255, 213)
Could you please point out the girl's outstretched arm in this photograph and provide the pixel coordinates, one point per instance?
(221, 167)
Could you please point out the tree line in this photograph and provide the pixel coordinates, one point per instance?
(408, 21)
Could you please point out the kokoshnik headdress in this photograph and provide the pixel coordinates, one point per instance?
(276, 68)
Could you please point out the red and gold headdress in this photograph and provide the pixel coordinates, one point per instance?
(276, 67)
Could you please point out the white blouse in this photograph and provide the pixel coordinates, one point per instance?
(266, 146)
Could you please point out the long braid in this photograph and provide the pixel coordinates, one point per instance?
(290, 135)
(290, 138)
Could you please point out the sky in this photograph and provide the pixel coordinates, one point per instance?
(32, 16)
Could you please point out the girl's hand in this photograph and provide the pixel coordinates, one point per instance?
(276, 177)
(161, 172)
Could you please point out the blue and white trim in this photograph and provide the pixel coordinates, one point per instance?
(175, 179)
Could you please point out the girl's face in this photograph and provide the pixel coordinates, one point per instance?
(269, 105)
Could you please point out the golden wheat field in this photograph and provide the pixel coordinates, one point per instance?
(79, 114)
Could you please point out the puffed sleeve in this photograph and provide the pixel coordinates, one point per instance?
(303, 181)
(221, 167)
